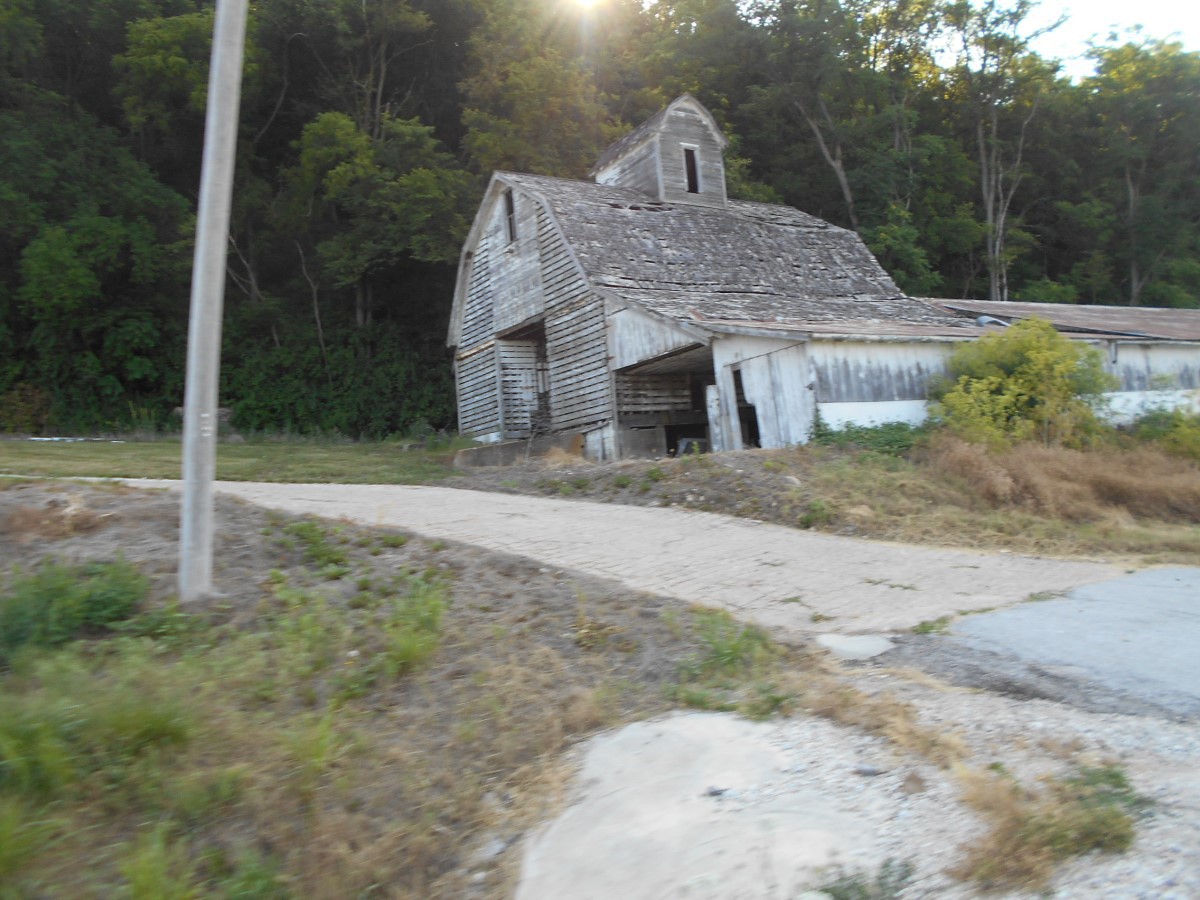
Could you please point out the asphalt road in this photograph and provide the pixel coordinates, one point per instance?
(1138, 635)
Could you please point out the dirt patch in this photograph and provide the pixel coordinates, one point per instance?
(430, 772)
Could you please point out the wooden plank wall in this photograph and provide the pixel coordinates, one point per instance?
(638, 170)
(685, 126)
(477, 314)
(478, 400)
(576, 339)
(653, 393)
(518, 386)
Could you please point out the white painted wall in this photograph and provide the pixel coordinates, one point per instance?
(875, 371)
(839, 415)
(1125, 406)
(1155, 366)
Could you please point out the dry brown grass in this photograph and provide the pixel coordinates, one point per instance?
(1033, 830)
(57, 519)
(558, 458)
(823, 691)
(1092, 486)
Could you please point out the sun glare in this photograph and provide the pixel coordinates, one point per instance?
(587, 4)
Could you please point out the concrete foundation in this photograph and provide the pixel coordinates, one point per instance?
(510, 452)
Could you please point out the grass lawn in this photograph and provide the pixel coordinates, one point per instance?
(282, 461)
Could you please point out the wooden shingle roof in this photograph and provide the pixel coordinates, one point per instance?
(748, 262)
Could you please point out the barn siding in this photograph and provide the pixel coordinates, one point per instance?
(871, 372)
(638, 170)
(478, 306)
(654, 393)
(521, 376)
(636, 337)
(517, 279)
(1146, 367)
(775, 377)
(478, 397)
(576, 338)
(687, 127)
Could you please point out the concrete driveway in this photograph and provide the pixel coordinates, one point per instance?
(782, 578)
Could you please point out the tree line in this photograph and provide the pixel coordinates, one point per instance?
(970, 165)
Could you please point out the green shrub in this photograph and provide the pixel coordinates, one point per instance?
(1176, 431)
(57, 602)
(888, 438)
(1025, 383)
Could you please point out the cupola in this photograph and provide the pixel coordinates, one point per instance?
(676, 156)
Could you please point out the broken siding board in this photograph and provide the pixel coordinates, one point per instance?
(519, 386)
(774, 374)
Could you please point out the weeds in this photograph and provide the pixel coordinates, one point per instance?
(1091, 810)
(818, 513)
(887, 884)
(317, 549)
(738, 668)
(728, 645)
(57, 603)
(22, 837)
(940, 625)
(157, 868)
(889, 439)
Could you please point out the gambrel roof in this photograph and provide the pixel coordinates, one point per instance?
(746, 262)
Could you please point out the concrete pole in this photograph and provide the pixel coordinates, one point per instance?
(208, 296)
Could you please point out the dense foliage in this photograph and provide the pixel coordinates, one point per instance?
(1025, 383)
(968, 163)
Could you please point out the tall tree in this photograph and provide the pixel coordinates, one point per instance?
(999, 83)
(532, 105)
(1147, 98)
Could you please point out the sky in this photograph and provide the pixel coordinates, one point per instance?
(1087, 18)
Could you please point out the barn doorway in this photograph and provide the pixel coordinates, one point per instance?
(524, 382)
(747, 414)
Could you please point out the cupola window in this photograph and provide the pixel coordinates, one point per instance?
(692, 170)
(510, 216)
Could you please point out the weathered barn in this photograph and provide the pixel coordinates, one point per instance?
(646, 309)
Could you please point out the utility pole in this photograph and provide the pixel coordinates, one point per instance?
(208, 297)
